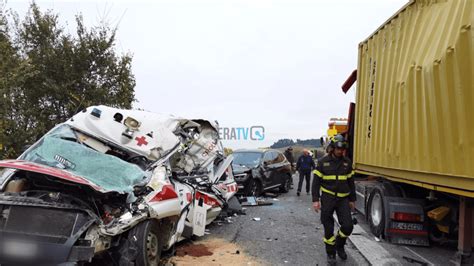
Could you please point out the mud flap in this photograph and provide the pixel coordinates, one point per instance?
(199, 218)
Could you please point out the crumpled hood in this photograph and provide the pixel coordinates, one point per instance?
(51, 171)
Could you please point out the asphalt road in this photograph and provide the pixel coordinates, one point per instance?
(289, 233)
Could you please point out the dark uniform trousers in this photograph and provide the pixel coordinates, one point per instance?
(329, 205)
(305, 175)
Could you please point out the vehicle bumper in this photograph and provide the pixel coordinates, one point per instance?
(21, 250)
(43, 233)
(242, 185)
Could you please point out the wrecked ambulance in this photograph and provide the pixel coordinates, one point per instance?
(112, 185)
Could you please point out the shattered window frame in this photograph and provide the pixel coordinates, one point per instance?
(107, 171)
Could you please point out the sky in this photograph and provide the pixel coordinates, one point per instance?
(275, 64)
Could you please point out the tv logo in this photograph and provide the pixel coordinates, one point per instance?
(255, 133)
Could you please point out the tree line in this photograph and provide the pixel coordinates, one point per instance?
(48, 74)
(281, 143)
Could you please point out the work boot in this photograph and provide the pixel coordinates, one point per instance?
(331, 259)
(341, 253)
(340, 243)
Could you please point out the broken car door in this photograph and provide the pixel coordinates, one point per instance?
(269, 169)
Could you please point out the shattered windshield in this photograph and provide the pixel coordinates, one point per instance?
(60, 149)
(249, 159)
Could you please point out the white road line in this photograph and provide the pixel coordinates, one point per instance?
(419, 256)
(372, 250)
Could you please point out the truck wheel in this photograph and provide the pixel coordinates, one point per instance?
(255, 188)
(146, 235)
(376, 212)
(286, 186)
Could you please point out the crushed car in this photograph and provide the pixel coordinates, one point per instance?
(260, 170)
(112, 185)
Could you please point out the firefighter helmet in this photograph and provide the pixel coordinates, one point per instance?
(339, 141)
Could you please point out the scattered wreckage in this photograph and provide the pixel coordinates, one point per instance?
(112, 185)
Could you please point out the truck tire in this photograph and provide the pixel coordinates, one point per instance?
(376, 212)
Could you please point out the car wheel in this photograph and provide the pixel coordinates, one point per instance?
(286, 186)
(148, 244)
(376, 212)
(255, 188)
(140, 246)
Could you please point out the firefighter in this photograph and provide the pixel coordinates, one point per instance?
(333, 190)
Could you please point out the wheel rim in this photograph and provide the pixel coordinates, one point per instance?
(152, 247)
(376, 209)
(288, 184)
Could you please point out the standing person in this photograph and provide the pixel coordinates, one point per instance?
(333, 177)
(291, 159)
(304, 166)
(289, 156)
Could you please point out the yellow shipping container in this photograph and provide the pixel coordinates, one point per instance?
(415, 97)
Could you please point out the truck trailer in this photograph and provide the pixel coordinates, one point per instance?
(410, 128)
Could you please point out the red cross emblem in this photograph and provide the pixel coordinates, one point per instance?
(141, 141)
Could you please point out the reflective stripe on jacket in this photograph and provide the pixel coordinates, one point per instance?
(334, 176)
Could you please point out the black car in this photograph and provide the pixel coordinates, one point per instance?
(259, 170)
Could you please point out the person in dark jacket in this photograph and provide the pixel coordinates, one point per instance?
(289, 156)
(334, 191)
(291, 159)
(304, 166)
